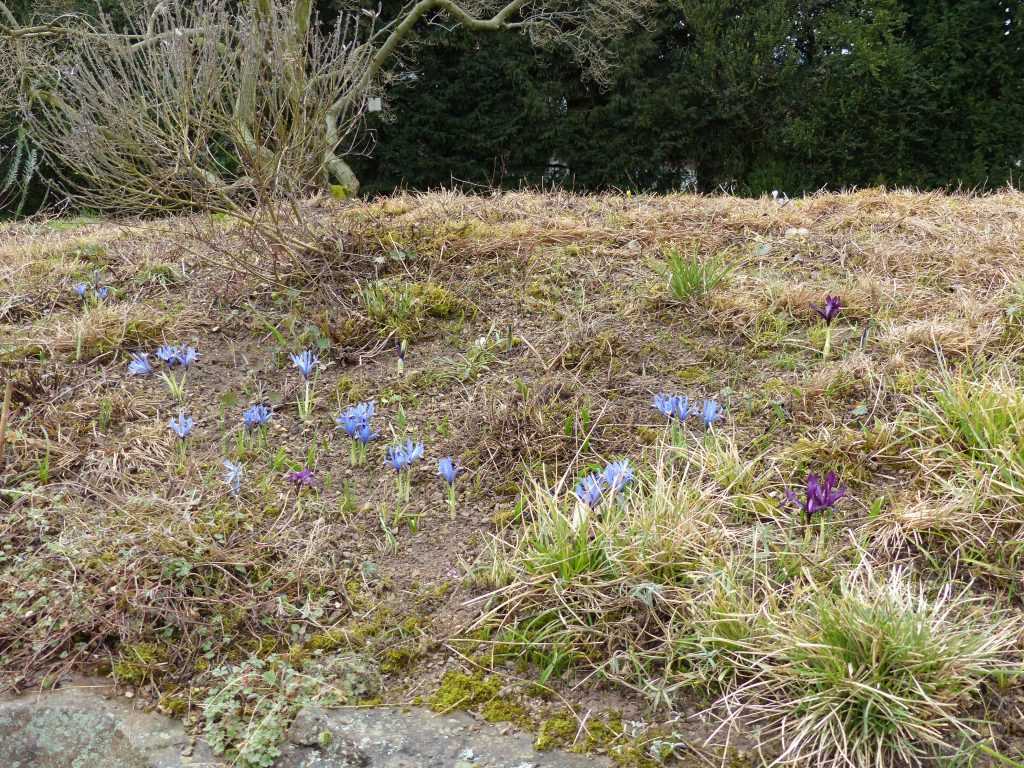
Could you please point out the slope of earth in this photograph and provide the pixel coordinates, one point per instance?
(689, 613)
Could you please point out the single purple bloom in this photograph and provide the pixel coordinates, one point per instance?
(306, 362)
(819, 496)
(256, 416)
(304, 478)
(80, 289)
(590, 489)
(140, 365)
(446, 468)
(182, 426)
(102, 292)
(830, 311)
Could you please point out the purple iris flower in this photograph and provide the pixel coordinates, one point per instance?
(102, 292)
(256, 416)
(819, 496)
(446, 468)
(233, 476)
(304, 478)
(140, 365)
(182, 426)
(402, 456)
(711, 413)
(80, 289)
(617, 475)
(830, 311)
(306, 362)
(590, 490)
(673, 406)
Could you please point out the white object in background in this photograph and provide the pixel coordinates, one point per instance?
(373, 104)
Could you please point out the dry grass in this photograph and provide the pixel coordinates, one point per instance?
(538, 329)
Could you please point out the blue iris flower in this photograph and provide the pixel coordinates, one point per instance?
(168, 354)
(102, 292)
(617, 475)
(256, 416)
(590, 490)
(80, 289)
(364, 433)
(711, 413)
(181, 426)
(354, 417)
(233, 476)
(140, 365)
(447, 469)
(187, 356)
(402, 456)
(673, 406)
(306, 362)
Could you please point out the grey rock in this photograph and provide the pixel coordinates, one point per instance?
(87, 727)
(416, 738)
(81, 728)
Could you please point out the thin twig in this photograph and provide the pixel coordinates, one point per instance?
(5, 415)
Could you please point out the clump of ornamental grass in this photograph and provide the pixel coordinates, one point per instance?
(588, 578)
(691, 277)
(877, 674)
(968, 430)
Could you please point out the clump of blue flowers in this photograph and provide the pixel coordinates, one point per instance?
(355, 421)
(182, 427)
(256, 416)
(711, 413)
(173, 356)
(676, 408)
(139, 365)
(673, 407)
(255, 420)
(94, 290)
(306, 362)
(401, 457)
(609, 482)
(448, 470)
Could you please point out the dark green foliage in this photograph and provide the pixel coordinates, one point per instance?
(749, 95)
(745, 95)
